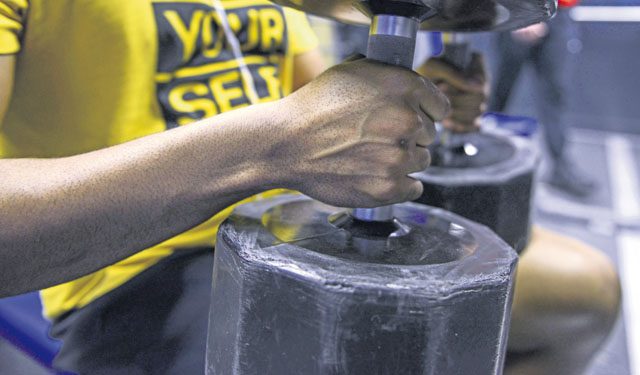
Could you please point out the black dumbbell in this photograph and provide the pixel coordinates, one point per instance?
(485, 177)
(303, 288)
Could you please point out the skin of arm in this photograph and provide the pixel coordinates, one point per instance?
(66, 224)
(349, 138)
(52, 231)
(63, 218)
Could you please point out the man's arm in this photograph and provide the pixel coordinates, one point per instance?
(63, 218)
(348, 138)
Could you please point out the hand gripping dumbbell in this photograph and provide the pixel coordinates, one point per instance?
(304, 288)
(485, 176)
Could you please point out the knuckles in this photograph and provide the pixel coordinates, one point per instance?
(397, 120)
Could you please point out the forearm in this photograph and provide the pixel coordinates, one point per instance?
(348, 138)
(64, 218)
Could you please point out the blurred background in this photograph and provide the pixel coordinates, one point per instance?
(595, 197)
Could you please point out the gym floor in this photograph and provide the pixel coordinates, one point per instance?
(599, 223)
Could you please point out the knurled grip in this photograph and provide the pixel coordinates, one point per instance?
(392, 50)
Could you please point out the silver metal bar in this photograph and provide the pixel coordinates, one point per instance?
(384, 213)
(392, 40)
(384, 24)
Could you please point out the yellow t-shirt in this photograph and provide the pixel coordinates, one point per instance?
(96, 73)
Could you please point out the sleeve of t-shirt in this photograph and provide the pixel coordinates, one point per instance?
(302, 38)
(12, 18)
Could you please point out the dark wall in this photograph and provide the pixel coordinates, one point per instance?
(604, 79)
(605, 87)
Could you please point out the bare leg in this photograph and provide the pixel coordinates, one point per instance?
(566, 301)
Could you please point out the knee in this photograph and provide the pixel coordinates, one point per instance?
(565, 292)
(592, 288)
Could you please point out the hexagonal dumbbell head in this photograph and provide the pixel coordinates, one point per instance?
(487, 178)
(301, 288)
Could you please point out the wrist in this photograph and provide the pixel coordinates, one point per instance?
(281, 130)
(268, 140)
(229, 154)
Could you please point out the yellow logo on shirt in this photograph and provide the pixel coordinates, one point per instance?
(198, 75)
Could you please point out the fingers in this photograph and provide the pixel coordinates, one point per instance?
(466, 108)
(426, 132)
(421, 132)
(431, 101)
(409, 189)
(414, 189)
(457, 126)
(462, 98)
(396, 161)
(438, 70)
(432, 106)
(401, 190)
(421, 160)
(416, 156)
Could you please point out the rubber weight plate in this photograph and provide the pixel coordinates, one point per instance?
(487, 178)
(302, 288)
